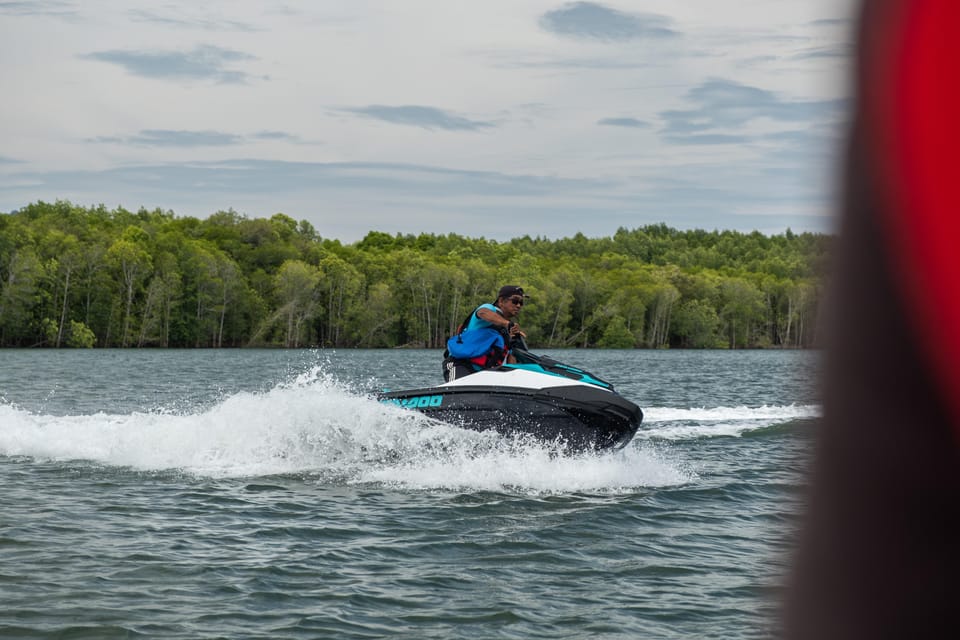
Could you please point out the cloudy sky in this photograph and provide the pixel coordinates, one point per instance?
(498, 118)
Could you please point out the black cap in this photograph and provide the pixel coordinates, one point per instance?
(511, 290)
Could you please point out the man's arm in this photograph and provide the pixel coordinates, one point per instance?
(491, 316)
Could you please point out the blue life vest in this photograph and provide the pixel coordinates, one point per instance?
(478, 341)
(474, 343)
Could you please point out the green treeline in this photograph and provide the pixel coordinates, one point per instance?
(79, 277)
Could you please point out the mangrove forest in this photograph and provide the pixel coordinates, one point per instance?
(73, 276)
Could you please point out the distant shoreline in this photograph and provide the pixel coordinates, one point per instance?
(83, 277)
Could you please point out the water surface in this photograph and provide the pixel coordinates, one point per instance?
(264, 494)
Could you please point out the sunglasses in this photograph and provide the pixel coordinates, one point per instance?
(517, 301)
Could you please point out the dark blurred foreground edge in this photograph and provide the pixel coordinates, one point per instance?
(879, 552)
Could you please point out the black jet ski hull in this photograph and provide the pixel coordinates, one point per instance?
(579, 418)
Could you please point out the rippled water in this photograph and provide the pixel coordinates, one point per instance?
(263, 494)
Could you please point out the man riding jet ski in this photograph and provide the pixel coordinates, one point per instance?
(483, 339)
(495, 383)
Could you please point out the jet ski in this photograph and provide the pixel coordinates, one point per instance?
(537, 396)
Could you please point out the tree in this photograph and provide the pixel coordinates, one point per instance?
(131, 261)
(377, 318)
(162, 296)
(20, 276)
(79, 336)
(230, 285)
(65, 257)
(695, 323)
(339, 286)
(296, 284)
(742, 309)
(617, 335)
(661, 308)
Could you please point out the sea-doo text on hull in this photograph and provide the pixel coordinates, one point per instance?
(538, 396)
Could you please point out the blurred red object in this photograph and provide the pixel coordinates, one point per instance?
(879, 553)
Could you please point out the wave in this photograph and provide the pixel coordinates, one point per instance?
(316, 427)
(684, 424)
